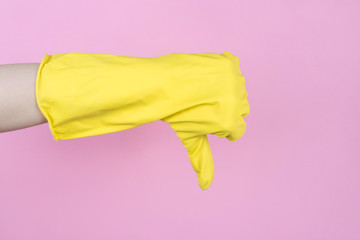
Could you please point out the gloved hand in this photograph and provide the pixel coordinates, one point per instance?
(88, 94)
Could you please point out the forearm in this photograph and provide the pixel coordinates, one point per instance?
(18, 106)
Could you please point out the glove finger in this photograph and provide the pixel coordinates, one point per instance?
(201, 159)
(238, 131)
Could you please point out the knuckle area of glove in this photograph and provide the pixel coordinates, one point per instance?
(229, 97)
(227, 116)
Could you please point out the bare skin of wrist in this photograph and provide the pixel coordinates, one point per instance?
(18, 106)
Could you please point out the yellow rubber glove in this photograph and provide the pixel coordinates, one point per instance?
(88, 94)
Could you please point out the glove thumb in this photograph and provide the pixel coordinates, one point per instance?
(200, 156)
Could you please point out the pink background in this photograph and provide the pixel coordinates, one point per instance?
(293, 175)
